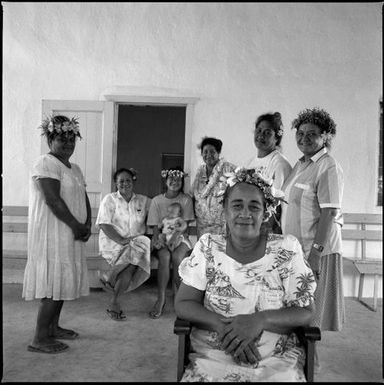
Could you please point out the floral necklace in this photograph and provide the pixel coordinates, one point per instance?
(213, 179)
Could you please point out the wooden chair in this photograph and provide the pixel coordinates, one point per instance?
(307, 336)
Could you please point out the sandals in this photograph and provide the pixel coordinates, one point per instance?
(117, 315)
(58, 347)
(154, 314)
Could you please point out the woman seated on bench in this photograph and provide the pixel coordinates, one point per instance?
(122, 243)
(244, 293)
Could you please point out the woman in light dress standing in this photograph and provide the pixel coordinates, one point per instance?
(269, 160)
(59, 222)
(314, 192)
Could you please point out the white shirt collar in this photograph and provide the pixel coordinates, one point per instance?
(121, 197)
(317, 156)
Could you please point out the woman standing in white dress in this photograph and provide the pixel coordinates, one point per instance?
(59, 222)
(269, 161)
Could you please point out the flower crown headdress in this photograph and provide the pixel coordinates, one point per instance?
(50, 125)
(272, 196)
(174, 173)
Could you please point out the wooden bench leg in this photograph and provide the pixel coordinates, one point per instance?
(375, 290)
(361, 284)
(375, 286)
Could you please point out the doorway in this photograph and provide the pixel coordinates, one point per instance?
(149, 139)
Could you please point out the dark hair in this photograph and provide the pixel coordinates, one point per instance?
(176, 168)
(52, 127)
(228, 189)
(264, 226)
(319, 118)
(275, 121)
(217, 143)
(129, 171)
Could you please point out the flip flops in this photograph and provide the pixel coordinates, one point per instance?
(49, 349)
(154, 314)
(117, 315)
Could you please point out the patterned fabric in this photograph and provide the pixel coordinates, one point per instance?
(56, 266)
(282, 278)
(128, 219)
(329, 296)
(273, 166)
(208, 207)
(313, 185)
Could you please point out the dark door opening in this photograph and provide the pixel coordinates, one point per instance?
(149, 139)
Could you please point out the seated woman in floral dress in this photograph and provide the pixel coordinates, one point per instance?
(244, 293)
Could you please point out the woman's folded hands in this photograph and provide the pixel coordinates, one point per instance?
(239, 337)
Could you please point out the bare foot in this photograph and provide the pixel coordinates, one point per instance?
(157, 309)
(63, 334)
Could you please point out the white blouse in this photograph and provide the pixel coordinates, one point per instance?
(127, 218)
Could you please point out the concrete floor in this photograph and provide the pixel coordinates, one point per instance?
(145, 350)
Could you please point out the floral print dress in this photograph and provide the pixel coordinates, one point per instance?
(282, 278)
(207, 194)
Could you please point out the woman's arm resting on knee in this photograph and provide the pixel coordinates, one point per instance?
(111, 233)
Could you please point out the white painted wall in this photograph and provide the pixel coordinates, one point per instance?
(240, 59)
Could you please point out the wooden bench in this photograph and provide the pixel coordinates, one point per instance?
(15, 224)
(365, 265)
(15, 229)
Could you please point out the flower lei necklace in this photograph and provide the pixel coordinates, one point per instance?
(213, 179)
(49, 126)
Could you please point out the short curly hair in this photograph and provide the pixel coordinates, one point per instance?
(318, 117)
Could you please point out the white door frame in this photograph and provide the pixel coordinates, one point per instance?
(108, 133)
(166, 101)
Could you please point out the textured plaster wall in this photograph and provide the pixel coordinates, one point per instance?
(241, 60)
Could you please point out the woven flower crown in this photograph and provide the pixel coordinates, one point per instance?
(173, 173)
(272, 196)
(51, 126)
